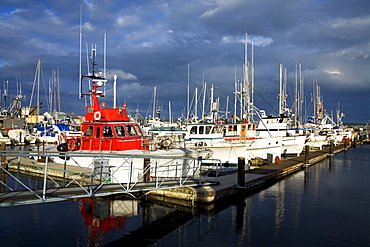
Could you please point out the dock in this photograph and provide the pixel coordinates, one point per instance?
(255, 179)
(191, 193)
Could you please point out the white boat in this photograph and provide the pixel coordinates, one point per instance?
(228, 142)
(292, 141)
(6, 140)
(22, 137)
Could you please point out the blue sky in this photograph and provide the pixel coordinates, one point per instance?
(151, 43)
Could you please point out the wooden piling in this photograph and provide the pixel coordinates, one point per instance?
(306, 154)
(241, 171)
(331, 147)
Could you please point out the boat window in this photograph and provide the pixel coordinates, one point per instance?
(232, 128)
(120, 130)
(201, 129)
(107, 131)
(131, 130)
(89, 131)
(217, 129)
(208, 129)
(98, 132)
(138, 130)
(193, 130)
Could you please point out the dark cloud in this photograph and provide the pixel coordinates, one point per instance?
(151, 43)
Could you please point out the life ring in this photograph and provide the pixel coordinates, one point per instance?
(97, 115)
(277, 159)
(72, 145)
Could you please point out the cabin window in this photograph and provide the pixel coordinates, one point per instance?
(97, 132)
(138, 130)
(193, 130)
(107, 131)
(208, 129)
(131, 130)
(89, 131)
(217, 129)
(120, 130)
(243, 127)
(201, 129)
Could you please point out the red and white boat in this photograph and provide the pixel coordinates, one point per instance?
(109, 138)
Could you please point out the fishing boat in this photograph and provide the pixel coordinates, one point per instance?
(108, 136)
(229, 141)
(292, 141)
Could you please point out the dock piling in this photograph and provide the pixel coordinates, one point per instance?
(306, 155)
(241, 172)
(331, 148)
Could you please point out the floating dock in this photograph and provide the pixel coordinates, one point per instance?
(228, 185)
(204, 194)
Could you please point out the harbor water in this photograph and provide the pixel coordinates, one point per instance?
(326, 204)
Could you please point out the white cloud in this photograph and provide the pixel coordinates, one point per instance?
(121, 75)
(257, 40)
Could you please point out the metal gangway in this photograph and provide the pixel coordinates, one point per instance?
(28, 177)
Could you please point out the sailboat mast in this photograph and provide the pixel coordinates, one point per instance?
(204, 97)
(188, 97)
(196, 103)
(169, 112)
(38, 87)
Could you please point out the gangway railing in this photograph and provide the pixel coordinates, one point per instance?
(65, 175)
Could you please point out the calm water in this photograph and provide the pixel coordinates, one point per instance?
(325, 205)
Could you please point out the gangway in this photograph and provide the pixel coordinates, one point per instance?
(51, 181)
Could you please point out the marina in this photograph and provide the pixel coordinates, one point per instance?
(192, 190)
(184, 123)
(315, 199)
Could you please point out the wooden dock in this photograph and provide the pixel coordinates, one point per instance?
(212, 190)
(227, 185)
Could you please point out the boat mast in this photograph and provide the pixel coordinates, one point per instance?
(169, 112)
(300, 98)
(235, 95)
(247, 85)
(188, 97)
(252, 74)
(204, 97)
(80, 66)
(281, 91)
(5, 95)
(114, 91)
(196, 103)
(154, 101)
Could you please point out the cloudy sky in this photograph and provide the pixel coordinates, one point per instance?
(153, 43)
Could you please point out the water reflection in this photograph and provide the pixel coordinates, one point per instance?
(310, 207)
